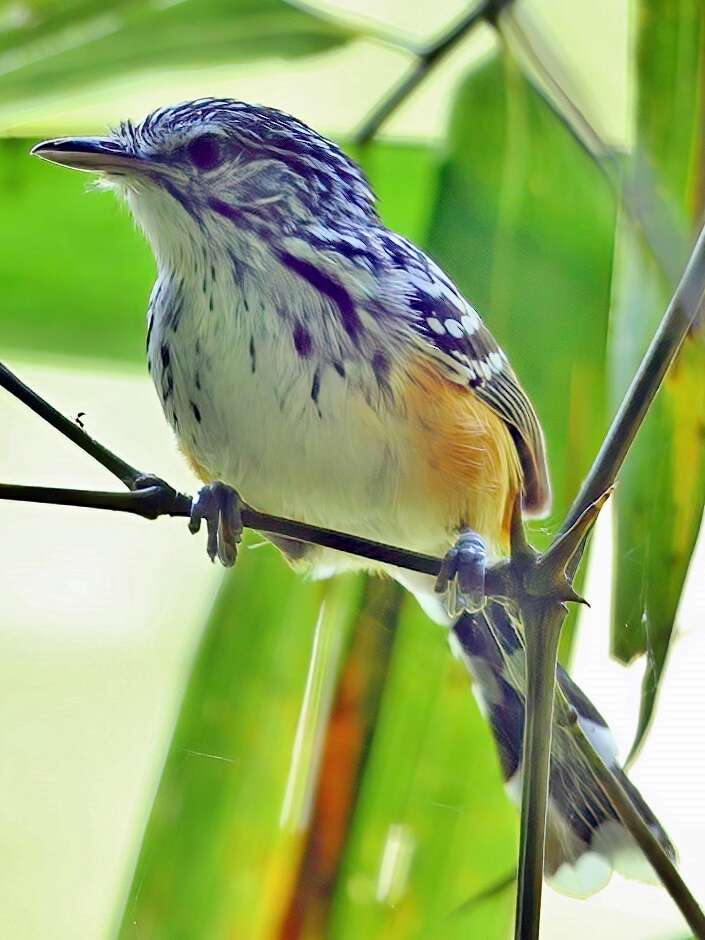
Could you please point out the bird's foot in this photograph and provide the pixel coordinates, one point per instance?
(220, 506)
(462, 574)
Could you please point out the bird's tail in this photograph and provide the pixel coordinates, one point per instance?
(585, 839)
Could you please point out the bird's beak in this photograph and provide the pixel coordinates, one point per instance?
(93, 154)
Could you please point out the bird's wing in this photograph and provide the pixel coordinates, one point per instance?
(450, 331)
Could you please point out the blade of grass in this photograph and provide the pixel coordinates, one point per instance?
(226, 830)
(432, 825)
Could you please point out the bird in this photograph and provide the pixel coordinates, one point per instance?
(319, 366)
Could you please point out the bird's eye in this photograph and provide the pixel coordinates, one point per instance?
(205, 152)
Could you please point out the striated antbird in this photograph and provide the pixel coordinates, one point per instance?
(327, 370)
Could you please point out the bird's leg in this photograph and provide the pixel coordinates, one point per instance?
(219, 505)
(462, 574)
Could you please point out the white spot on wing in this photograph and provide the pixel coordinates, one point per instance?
(495, 361)
(470, 322)
(436, 325)
(454, 328)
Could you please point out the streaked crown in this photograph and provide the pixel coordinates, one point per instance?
(254, 156)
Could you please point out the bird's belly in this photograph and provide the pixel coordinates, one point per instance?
(297, 439)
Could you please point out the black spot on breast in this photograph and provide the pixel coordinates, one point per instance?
(253, 354)
(198, 381)
(196, 411)
(316, 387)
(340, 369)
(166, 356)
(330, 288)
(302, 341)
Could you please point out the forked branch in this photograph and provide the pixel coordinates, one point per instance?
(487, 11)
(540, 586)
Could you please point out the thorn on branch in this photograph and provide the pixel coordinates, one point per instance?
(521, 551)
(552, 565)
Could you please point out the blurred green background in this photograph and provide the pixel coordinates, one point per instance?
(192, 755)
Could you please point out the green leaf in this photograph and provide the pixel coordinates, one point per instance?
(75, 274)
(57, 46)
(353, 718)
(524, 222)
(225, 834)
(659, 500)
(432, 826)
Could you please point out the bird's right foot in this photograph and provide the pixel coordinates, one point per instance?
(462, 574)
(220, 506)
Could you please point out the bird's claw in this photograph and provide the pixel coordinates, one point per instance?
(146, 481)
(462, 574)
(220, 506)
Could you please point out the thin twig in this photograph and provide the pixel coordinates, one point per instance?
(155, 501)
(114, 464)
(541, 587)
(542, 623)
(151, 497)
(150, 502)
(638, 828)
(542, 631)
(427, 59)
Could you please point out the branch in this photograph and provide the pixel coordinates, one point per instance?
(541, 583)
(151, 497)
(114, 464)
(634, 822)
(542, 586)
(426, 60)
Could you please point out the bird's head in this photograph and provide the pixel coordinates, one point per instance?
(212, 167)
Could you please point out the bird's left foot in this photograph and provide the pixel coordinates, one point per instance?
(462, 574)
(220, 506)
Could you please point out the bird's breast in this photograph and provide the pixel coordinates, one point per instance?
(257, 400)
(370, 444)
